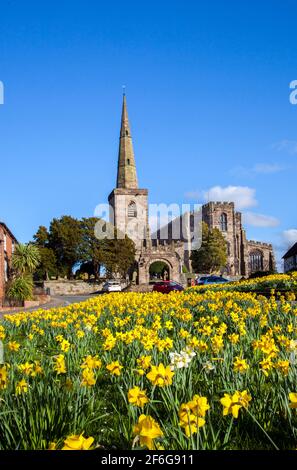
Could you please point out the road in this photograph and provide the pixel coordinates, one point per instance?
(56, 301)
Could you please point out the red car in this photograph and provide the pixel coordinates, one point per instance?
(167, 286)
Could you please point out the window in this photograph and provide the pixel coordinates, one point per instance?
(223, 222)
(256, 260)
(132, 212)
(127, 133)
(128, 161)
(5, 270)
(228, 248)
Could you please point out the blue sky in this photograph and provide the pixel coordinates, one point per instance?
(208, 100)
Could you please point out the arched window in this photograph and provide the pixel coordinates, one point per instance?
(223, 222)
(132, 211)
(256, 260)
(128, 161)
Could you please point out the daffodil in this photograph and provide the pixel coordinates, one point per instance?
(293, 399)
(147, 429)
(78, 442)
(114, 368)
(160, 375)
(21, 387)
(137, 397)
(233, 403)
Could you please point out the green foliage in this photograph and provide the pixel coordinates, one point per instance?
(48, 264)
(65, 238)
(20, 288)
(41, 237)
(92, 249)
(119, 254)
(212, 256)
(261, 274)
(70, 242)
(158, 267)
(25, 258)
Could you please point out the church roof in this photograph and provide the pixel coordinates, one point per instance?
(291, 252)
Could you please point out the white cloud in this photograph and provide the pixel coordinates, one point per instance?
(286, 240)
(242, 196)
(289, 237)
(289, 146)
(266, 168)
(194, 195)
(259, 220)
(257, 169)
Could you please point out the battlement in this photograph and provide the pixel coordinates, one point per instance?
(158, 247)
(263, 244)
(219, 204)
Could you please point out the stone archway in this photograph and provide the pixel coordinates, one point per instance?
(159, 269)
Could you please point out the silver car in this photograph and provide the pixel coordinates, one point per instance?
(112, 286)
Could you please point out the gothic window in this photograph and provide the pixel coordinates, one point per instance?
(132, 211)
(128, 161)
(256, 260)
(127, 133)
(223, 222)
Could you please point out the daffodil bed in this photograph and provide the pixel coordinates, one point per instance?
(210, 370)
(267, 284)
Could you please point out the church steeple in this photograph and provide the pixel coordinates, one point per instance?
(127, 176)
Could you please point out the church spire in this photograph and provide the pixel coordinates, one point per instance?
(127, 177)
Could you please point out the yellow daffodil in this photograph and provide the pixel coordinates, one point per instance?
(137, 397)
(160, 375)
(147, 429)
(77, 442)
(114, 368)
(21, 387)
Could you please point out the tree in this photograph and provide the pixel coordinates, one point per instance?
(65, 238)
(25, 258)
(91, 249)
(48, 264)
(41, 237)
(119, 254)
(212, 255)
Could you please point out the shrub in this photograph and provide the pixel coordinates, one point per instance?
(20, 288)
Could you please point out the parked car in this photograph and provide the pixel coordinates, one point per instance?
(211, 280)
(112, 286)
(167, 286)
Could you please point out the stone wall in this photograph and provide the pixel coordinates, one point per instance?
(66, 287)
(266, 250)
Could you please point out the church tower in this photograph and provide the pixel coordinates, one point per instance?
(128, 203)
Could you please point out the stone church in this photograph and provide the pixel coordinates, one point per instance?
(129, 213)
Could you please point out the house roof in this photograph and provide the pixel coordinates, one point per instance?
(291, 252)
(2, 224)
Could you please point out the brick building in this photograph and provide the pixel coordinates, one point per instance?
(7, 244)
